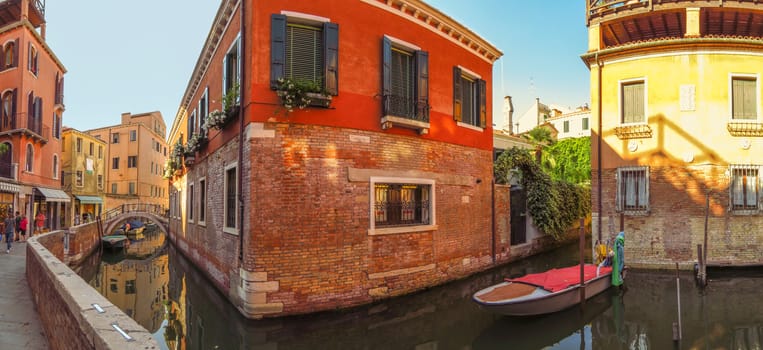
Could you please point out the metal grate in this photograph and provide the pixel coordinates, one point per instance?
(633, 190)
(744, 188)
(401, 205)
(304, 53)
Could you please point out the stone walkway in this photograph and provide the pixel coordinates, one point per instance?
(20, 326)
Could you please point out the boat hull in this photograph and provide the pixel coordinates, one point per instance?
(542, 303)
(114, 241)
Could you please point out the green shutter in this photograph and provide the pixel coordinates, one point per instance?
(633, 103)
(277, 48)
(422, 85)
(744, 99)
(457, 102)
(482, 93)
(386, 74)
(331, 58)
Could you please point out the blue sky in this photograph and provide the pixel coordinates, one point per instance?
(136, 56)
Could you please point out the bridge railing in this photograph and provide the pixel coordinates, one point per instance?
(155, 209)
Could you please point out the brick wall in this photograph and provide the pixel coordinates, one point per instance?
(676, 222)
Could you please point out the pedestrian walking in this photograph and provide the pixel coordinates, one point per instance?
(9, 230)
(39, 222)
(22, 227)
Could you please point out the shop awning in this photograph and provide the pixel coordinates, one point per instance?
(8, 187)
(89, 199)
(51, 195)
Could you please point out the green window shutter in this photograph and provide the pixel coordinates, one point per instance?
(457, 102)
(331, 58)
(744, 99)
(386, 75)
(277, 48)
(422, 85)
(482, 93)
(633, 102)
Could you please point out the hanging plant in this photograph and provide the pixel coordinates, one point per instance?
(299, 93)
(195, 142)
(170, 166)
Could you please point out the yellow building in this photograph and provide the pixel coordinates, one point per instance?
(676, 115)
(136, 151)
(84, 175)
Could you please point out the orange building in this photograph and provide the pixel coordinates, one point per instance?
(333, 153)
(31, 109)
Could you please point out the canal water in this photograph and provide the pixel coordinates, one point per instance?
(153, 283)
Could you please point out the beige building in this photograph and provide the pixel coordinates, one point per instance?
(83, 175)
(135, 154)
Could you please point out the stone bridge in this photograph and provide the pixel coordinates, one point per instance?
(114, 218)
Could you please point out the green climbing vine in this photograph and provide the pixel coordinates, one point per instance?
(569, 160)
(553, 204)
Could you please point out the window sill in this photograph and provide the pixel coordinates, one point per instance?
(638, 131)
(401, 229)
(202, 223)
(388, 121)
(749, 212)
(470, 126)
(230, 230)
(635, 212)
(316, 99)
(752, 128)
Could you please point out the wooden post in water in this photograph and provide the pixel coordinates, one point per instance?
(705, 249)
(677, 326)
(701, 270)
(582, 261)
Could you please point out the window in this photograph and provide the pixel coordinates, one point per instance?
(57, 125)
(8, 121)
(190, 202)
(92, 148)
(203, 110)
(191, 124)
(633, 102)
(113, 285)
(79, 145)
(79, 181)
(469, 98)
(231, 75)
(744, 189)
(55, 166)
(633, 190)
(133, 135)
(202, 200)
(132, 188)
(305, 48)
(566, 126)
(115, 163)
(115, 138)
(405, 82)
(100, 152)
(113, 188)
(401, 204)
(231, 197)
(100, 182)
(130, 287)
(132, 161)
(10, 54)
(585, 123)
(29, 158)
(32, 63)
(744, 98)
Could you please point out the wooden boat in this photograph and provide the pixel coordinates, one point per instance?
(114, 241)
(543, 293)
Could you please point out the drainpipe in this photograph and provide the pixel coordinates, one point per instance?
(600, 65)
(492, 210)
(242, 83)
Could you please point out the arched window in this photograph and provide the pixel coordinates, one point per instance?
(55, 166)
(6, 161)
(10, 54)
(29, 157)
(7, 110)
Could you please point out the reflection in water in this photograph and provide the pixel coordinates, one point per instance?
(173, 300)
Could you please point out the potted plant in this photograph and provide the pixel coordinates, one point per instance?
(170, 166)
(195, 143)
(300, 93)
(231, 101)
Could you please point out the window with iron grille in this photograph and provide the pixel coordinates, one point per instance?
(633, 102)
(633, 190)
(405, 80)
(744, 188)
(401, 204)
(744, 98)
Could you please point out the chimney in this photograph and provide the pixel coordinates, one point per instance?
(508, 110)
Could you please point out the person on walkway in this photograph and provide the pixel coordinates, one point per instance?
(23, 224)
(39, 222)
(9, 230)
(18, 221)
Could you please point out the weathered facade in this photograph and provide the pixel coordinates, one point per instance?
(676, 120)
(377, 184)
(136, 152)
(84, 175)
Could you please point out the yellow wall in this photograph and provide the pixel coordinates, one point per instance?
(678, 135)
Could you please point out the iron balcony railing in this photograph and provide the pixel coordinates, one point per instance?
(24, 123)
(406, 107)
(600, 8)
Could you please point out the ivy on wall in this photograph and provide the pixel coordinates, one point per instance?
(569, 160)
(553, 204)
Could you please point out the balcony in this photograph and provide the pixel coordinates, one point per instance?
(22, 124)
(10, 11)
(631, 21)
(405, 112)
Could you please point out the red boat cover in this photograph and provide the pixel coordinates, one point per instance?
(555, 280)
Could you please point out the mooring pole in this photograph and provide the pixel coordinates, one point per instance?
(582, 262)
(705, 249)
(677, 326)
